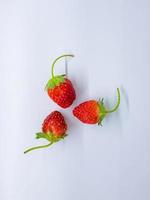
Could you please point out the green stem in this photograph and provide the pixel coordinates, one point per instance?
(117, 105)
(65, 55)
(38, 147)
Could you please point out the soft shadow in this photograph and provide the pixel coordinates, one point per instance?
(126, 97)
(118, 116)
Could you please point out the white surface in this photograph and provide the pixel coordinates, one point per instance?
(111, 42)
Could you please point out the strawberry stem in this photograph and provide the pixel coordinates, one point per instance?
(65, 55)
(117, 105)
(38, 147)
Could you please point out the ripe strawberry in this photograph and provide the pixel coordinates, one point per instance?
(53, 129)
(60, 89)
(92, 112)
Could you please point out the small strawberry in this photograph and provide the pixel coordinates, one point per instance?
(92, 112)
(53, 129)
(60, 89)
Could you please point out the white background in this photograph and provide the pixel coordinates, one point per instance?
(111, 43)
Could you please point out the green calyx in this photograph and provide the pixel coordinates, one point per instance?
(103, 111)
(56, 80)
(48, 136)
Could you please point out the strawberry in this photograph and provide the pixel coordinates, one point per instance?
(60, 89)
(53, 129)
(92, 112)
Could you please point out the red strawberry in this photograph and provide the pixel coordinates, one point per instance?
(54, 124)
(92, 112)
(53, 129)
(60, 89)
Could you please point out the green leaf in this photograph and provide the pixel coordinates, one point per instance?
(43, 135)
(50, 84)
(39, 135)
(56, 81)
(49, 136)
(102, 112)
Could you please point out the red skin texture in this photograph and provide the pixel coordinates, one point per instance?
(55, 124)
(88, 112)
(63, 95)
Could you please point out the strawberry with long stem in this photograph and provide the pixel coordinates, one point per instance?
(53, 130)
(59, 88)
(92, 112)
